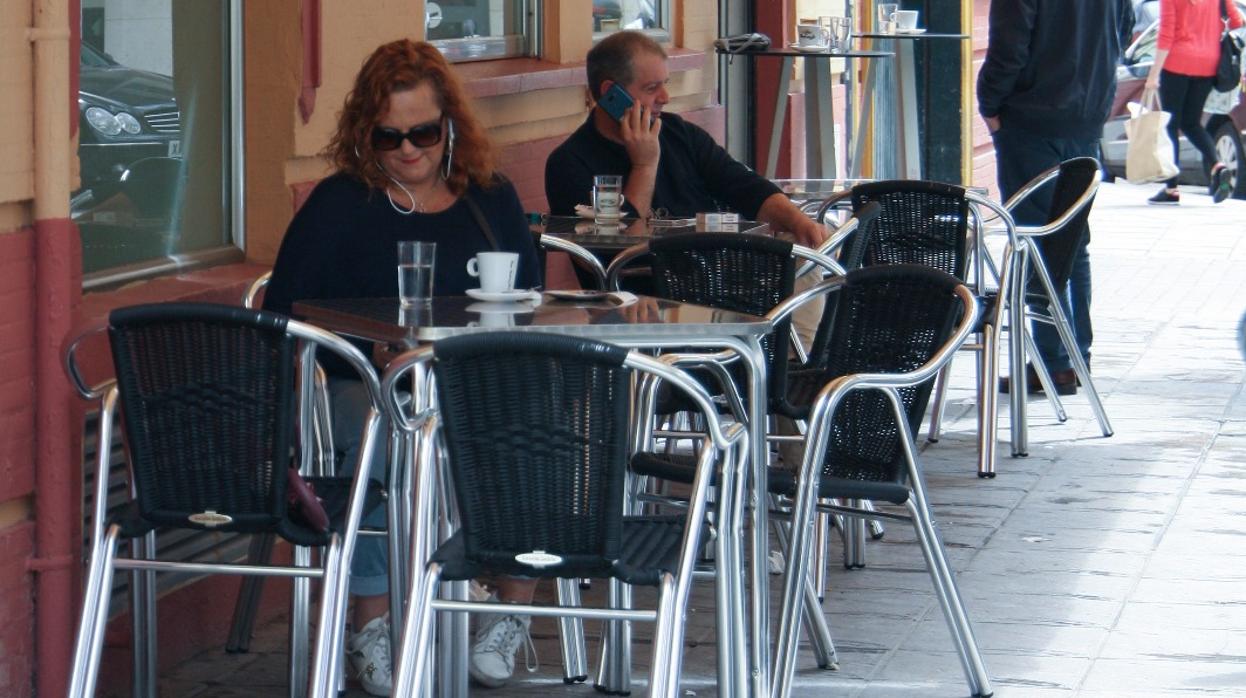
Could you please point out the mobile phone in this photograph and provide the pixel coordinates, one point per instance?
(616, 101)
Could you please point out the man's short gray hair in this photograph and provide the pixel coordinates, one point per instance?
(611, 58)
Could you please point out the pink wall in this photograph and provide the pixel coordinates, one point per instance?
(17, 455)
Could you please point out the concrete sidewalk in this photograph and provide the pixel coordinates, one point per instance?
(1095, 567)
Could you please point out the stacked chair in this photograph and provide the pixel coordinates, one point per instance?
(211, 399)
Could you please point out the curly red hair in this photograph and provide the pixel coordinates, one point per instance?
(394, 67)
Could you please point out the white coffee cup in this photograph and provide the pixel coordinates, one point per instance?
(906, 20)
(811, 35)
(496, 270)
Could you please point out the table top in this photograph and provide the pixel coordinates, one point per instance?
(791, 52)
(629, 232)
(643, 321)
(911, 35)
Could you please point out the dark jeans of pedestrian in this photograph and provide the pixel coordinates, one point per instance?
(1183, 97)
(1020, 156)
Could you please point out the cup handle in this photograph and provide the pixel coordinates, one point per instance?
(621, 199)
(472, 269)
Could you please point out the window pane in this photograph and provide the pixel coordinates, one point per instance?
(477, 29)
(154, 142)
(613, 15)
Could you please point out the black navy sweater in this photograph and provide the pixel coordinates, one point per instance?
(695, 174)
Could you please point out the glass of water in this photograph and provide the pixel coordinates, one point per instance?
(415, 272)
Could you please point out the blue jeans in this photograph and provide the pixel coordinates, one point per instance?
(348, 399)
(1021, 156)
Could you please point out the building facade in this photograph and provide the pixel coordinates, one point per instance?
(157, 149)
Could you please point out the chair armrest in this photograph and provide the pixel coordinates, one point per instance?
(831, 202)
(621, 260)
(391, 389)
(579, 256)
(69, 354)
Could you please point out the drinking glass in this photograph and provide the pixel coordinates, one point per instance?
(607, 198)
(841, 33)
(887, 23)
(415, 272)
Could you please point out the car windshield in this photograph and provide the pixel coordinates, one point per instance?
(94, 58)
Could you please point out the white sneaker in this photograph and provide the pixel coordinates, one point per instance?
(368, 651)
(497, 640)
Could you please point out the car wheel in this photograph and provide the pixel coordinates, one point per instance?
(1229, 151)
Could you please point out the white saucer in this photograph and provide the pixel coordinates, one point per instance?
(824, 48)
(519, 294)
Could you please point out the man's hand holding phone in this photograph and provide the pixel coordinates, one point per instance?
(639, 128)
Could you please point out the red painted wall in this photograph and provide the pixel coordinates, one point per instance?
(17, 454)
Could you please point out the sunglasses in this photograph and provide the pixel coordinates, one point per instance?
(423, 136)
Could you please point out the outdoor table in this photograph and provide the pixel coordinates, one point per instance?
(819, 106)
(654, 323)
(908, 139)
(612, 239)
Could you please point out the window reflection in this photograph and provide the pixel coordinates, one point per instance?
(153, 136)
(613, 15)
(477, 29)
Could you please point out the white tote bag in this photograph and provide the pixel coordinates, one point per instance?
(1149, 157)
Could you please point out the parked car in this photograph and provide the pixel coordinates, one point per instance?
(1146, 12)
(129, 129)
(1228, 131)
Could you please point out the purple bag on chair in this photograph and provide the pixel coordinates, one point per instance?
(305, 507)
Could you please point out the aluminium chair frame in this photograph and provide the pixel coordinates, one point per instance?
(318, 463)
(335, 563)
(412, 660)
(805, 505)
(580, 256)
(1029, 260)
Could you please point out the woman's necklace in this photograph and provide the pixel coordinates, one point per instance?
(416, 205)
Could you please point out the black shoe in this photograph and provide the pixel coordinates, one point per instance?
(1219, 187)
(1066, 382)
(1165, 198)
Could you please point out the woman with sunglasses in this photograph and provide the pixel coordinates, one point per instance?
(413, 163)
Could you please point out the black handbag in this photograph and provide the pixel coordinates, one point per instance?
(1229, 70)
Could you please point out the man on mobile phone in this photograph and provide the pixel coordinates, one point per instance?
(666, 162)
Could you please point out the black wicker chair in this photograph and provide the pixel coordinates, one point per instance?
(929, 223)
(1045, 258)
(537, 432)
(210, 396)
(892, 328)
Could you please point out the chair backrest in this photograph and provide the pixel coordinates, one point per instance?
(852, 252)
(888, 319)
(209, 403)
(919, 223)
(744, 273)
(537, 431)
(1059, 248)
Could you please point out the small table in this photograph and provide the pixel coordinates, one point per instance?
(908, 136)
(613, 239)
(819, 107)
(662, 324)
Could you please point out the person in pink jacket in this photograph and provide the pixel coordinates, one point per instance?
(1186, 57)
